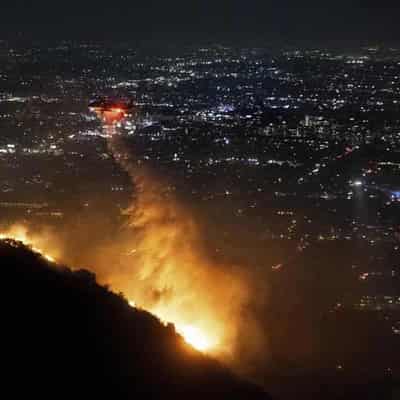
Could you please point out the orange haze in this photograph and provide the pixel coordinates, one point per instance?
(159, 263)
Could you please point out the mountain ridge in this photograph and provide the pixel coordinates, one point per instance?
(66, 334)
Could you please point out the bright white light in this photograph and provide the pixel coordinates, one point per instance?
(194, 337)
(357, 183)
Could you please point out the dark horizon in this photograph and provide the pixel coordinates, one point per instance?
(231, 22)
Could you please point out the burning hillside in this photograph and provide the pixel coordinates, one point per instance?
(65, 333)
(159, 263)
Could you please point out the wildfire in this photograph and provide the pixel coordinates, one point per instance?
(159, 260)
(199, 339)
(168, 272)
(198, 335)
(20, 234)
(195, 337)
(203, 333)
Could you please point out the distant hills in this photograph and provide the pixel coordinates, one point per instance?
(63, 335)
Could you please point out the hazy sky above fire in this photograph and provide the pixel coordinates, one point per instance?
(205, 19)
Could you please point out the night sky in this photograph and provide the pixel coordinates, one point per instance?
(194, 20)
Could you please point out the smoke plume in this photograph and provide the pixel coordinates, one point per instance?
(167, 270)
(158, 261)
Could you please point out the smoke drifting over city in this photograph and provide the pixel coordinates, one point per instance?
(169, 273)
(158, 261)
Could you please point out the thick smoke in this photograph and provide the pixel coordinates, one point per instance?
(157, 260)
(168, 272)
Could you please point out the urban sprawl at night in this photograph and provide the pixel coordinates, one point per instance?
(287, 160)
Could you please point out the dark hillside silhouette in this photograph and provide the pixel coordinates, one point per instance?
(64, 335)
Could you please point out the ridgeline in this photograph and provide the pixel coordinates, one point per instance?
(65, 335)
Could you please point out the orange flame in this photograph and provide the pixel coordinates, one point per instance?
(166, 270)
(19, 233)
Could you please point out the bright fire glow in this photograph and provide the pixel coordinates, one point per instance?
(118, 110)
(200, 330)
(111, 115)
(195, 337)
(199, 338)
(197, 334)
(162, 263)
(20, 234)
(167, 270)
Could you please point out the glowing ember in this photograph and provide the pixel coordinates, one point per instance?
(192, 335)
(48, 258)
(117, 110)
(111, 114)
(132, 304)
(195, 337)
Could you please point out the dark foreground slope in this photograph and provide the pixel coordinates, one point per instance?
(64, 335)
